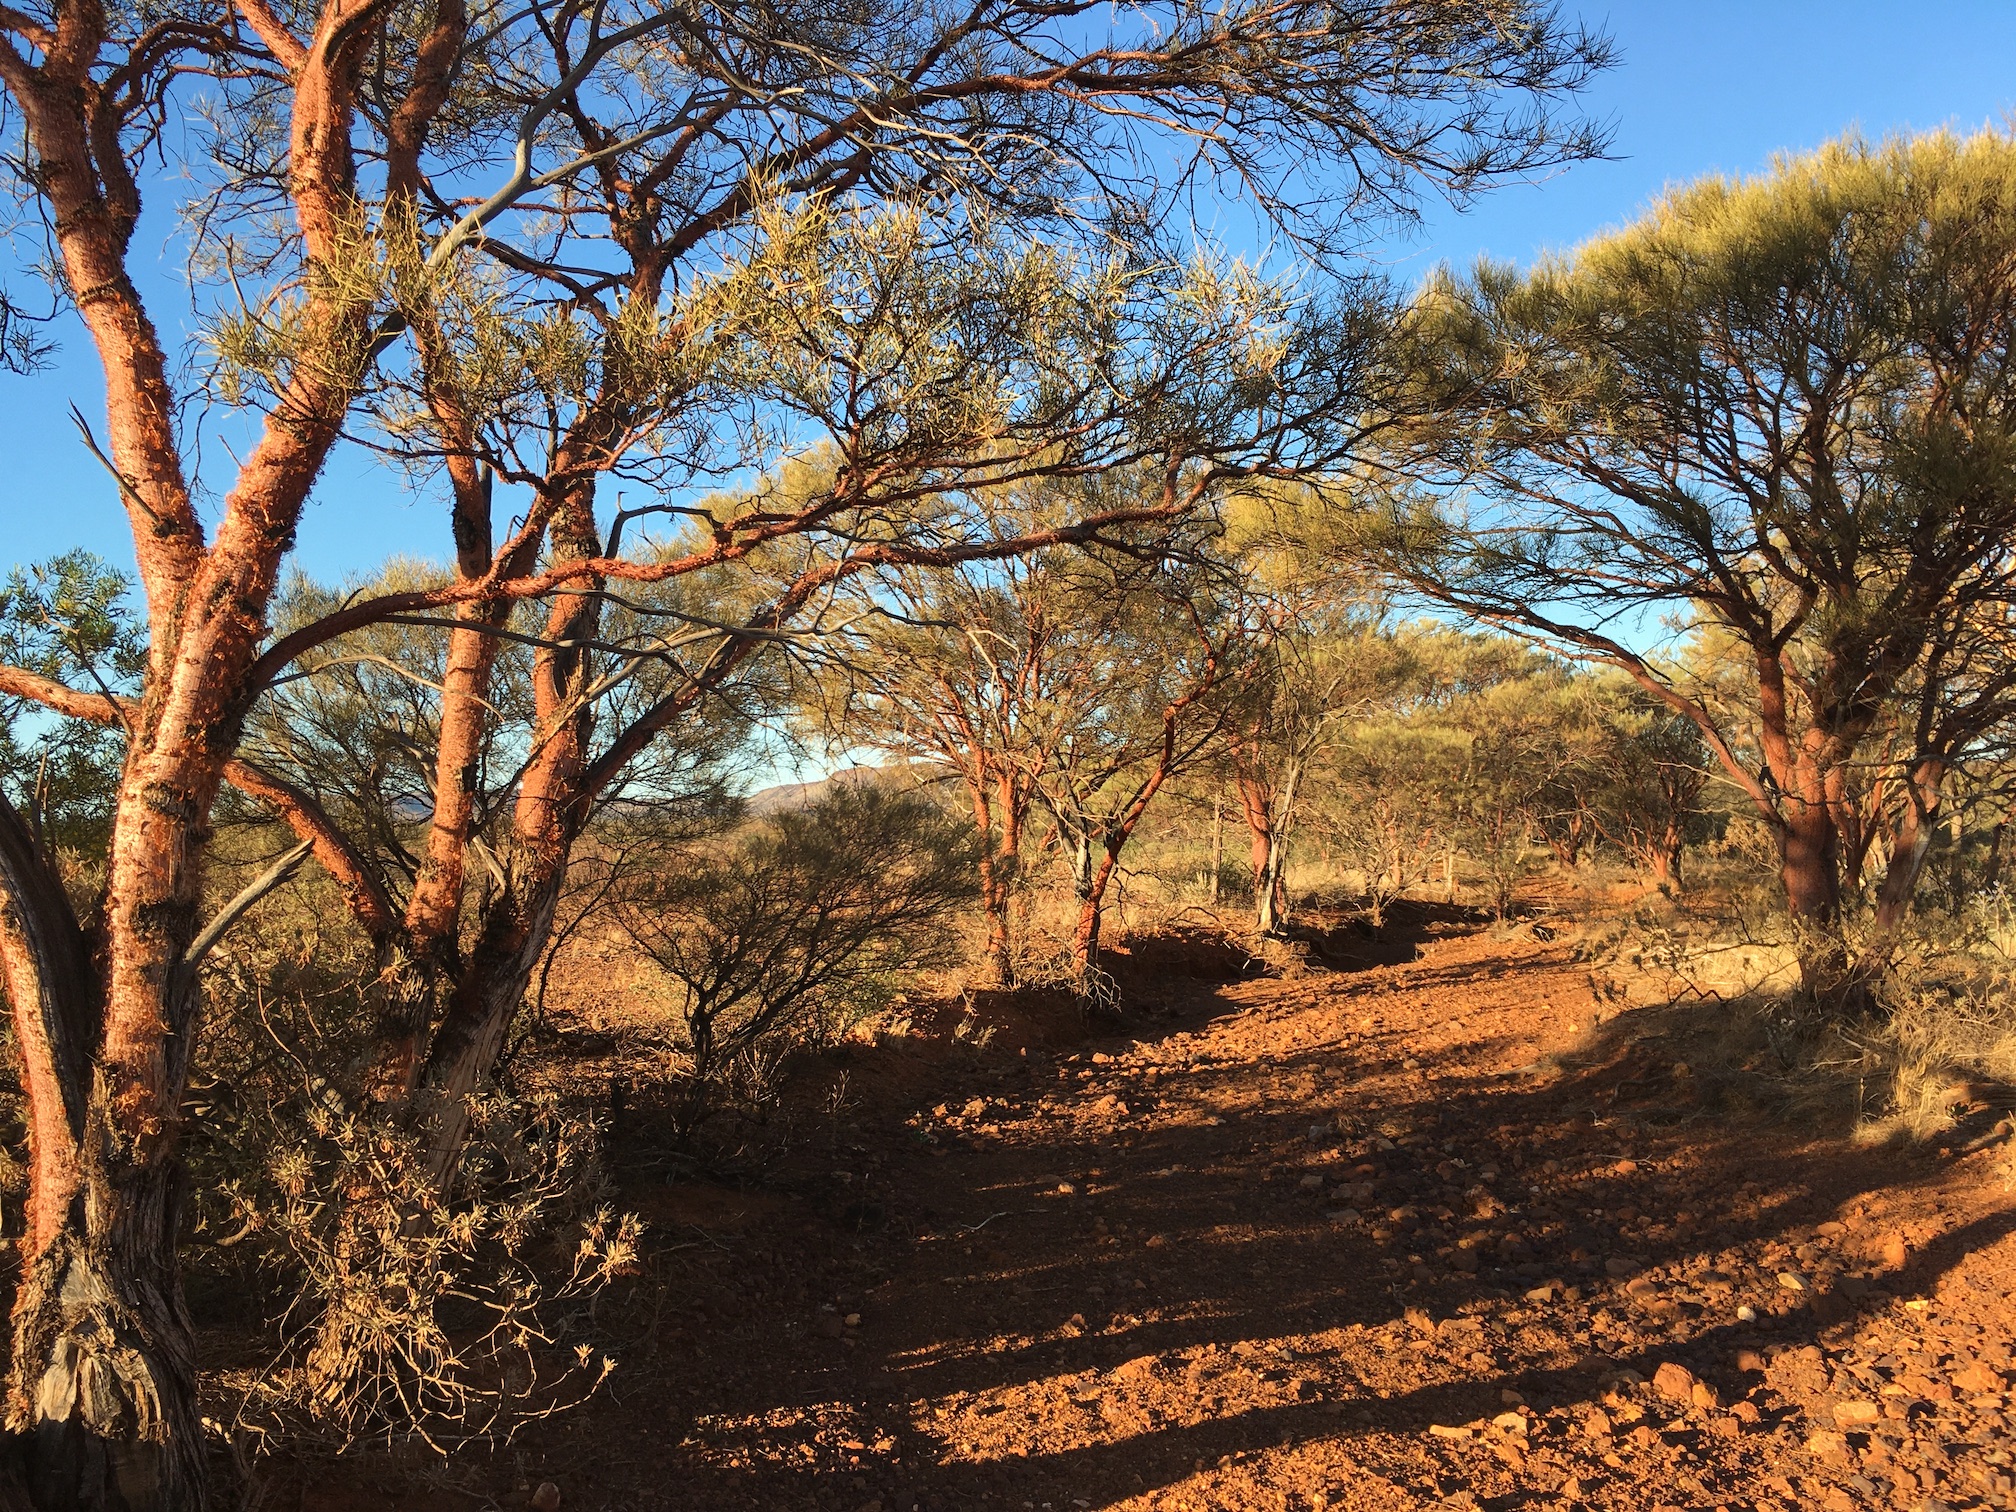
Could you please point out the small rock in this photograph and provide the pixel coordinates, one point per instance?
(1791, 1281)
(1746, 1314)
(1312, 1183)
(1705, 1396)
(1979, 1378)
(829, 1326)
(1444, 1431)
(1541, 1293)
(1750, 1361)
(546, 1498)
(1597, 1424)
(1674, 1382)
(1826, 1443)
(1510, 1422)
(1858, 1413)
(1464, 1260)
(1619, 1267)
(853, 1320)
(1895, 1252)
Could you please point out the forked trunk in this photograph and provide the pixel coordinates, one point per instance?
(1991, 866)
(1908, 849)
(1085, 938)
(1668, 855)
(1256, 804)
(1091, 873)
(1909, 843)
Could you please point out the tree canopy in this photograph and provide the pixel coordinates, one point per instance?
(1780, 408)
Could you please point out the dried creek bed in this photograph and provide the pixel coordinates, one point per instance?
(1411, 1235)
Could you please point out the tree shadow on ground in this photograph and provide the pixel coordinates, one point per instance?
(1127, 1223)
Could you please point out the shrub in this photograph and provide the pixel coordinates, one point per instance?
(798, 928)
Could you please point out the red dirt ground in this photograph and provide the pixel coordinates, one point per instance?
(1346, 1240)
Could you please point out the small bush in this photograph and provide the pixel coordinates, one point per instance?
(797, 929)
(423, 1318)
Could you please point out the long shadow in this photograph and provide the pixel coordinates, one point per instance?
(1004, 1252)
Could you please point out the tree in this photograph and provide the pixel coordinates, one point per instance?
(1780, 408)
(1174, 664)
(983, 671)
(561, 244)
(1077, 680)
(1652, 768)
(1324, 656)
(1317, 669)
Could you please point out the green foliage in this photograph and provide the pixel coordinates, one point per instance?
(1478, 744)
(68, 620)
(1781, 412)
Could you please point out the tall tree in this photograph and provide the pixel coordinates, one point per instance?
(1781, 408)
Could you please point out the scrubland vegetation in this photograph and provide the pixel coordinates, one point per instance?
(827, 392)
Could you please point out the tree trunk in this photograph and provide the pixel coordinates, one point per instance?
(103, 1390)
(551, 810)
(1269, 887)
(1256, 807)
(997, 962)
(1000, 859)
(1809, 868)
(1091, 907)
(1217, 843)
(1956, 864)
(1991, 865)
(1909, 847)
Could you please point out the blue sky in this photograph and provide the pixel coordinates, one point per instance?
(1702, 86)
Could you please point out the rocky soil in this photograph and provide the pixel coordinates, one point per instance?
(1447, 1225)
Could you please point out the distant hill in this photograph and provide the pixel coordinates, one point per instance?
(790, 795)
